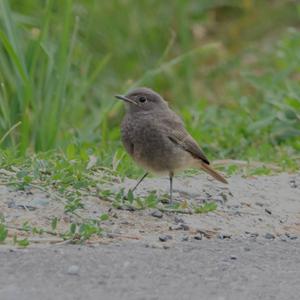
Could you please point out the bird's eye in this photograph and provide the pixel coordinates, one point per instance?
(142, 99)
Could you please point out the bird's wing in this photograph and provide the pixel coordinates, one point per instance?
(176, 132)
(184, 140)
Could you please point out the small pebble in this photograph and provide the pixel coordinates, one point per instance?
(252, 234)
(179, 227)
(293, 183)
(128, 208)
(125, 223)
(73, 270)
(224, 196)
(269, 236)
(268, 211)
(185, 238)
(185, 227)
(291, 236)
(233, 257)
(157, 214)
(283, 238)
(236, 206)
(198, 237)
(178, 220)
(110, 235)
(223, 236)
(153, 245)
(164, 238)
(175, 227)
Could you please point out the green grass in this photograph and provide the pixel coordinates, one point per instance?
(37, 80)
(3, 233)
(205, 208)
(232, 76)
(235, 85)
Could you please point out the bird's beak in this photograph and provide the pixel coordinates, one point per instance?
(121, 97)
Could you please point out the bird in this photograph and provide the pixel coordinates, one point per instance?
(156, 138)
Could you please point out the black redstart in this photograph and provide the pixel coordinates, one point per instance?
(154, 135)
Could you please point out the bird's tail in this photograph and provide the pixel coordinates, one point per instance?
(205, 167)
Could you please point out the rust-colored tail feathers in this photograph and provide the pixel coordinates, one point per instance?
(205, 167)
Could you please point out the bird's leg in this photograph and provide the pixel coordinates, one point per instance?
(144, 176)
(171, 174)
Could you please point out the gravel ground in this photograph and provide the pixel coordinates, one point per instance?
(249, 248)
(205, 269)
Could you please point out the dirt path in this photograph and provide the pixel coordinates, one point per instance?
(247, 249)
(258, 207)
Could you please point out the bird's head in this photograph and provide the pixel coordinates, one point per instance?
(143, 99)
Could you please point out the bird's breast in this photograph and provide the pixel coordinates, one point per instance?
(150, 147)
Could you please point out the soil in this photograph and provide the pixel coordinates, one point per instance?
(248, 248)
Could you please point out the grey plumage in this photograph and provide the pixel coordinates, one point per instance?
(156, 138)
